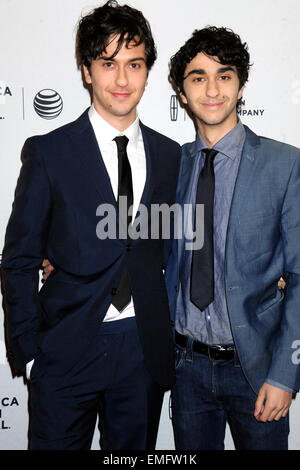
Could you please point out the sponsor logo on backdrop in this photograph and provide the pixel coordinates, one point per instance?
(48, 104)
(5, 403)
(244, 111)
(5, 92)
(175, 108)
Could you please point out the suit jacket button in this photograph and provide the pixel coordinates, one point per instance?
(128, 247)
(113, 291)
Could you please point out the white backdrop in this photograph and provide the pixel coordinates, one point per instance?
(37, 52)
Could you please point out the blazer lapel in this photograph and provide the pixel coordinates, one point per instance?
(87, 150)
(245, 175)
(189, 161)
(151, 151)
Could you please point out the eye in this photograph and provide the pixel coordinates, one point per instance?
(108, 65)
(198, 79)
(135, 66)
(224, 77)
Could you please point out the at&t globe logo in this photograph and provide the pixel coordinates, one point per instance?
(48, 104)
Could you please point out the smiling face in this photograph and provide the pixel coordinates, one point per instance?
(211, 90)
(118, 83)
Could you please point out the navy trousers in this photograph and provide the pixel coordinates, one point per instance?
(109, 382)
(207, 395)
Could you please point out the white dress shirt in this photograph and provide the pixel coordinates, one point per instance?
(105, 134)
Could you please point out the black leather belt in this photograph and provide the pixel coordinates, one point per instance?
(217, 352)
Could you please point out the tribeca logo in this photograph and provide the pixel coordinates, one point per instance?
(250, 112)
(48, 104)
(166, 222)
(6, 401)
(4, 92)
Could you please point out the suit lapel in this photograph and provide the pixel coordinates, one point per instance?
(245, 175)
(188, 166)
(87, 150)
(151, 153)
(189, 161)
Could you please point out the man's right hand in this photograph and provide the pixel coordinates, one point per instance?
(47, 269)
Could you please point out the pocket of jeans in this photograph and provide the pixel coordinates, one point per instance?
(179, 357)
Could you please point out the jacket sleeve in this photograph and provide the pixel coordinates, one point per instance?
(284, 368)
(23, 254)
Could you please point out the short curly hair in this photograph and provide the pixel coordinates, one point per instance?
(96, 29)
(222, 43)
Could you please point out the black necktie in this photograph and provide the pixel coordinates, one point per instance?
(123, 295)
(202, 270)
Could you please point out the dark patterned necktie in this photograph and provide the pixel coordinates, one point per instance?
(202, 269)
(123, 294)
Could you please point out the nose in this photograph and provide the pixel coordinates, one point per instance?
(212, 88)
(121, 77)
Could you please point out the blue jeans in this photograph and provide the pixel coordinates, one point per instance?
(209, 394)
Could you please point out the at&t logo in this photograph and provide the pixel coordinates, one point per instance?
(48, 104)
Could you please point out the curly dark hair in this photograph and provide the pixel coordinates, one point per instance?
(217, 42)
(96, 29)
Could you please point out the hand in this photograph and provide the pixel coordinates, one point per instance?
(272, 403)
(47, 269)
(281, 284)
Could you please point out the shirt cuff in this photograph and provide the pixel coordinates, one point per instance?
(279, 385)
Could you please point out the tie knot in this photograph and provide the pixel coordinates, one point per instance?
(121, 142)
(210, 154)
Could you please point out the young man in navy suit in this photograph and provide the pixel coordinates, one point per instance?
(236, 334)
(96, 340)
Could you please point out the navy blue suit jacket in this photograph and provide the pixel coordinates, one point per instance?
(62, 182)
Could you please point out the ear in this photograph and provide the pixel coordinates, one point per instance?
(183, 97)
(241, 91)
(87, 74)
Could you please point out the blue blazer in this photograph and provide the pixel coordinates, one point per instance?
(62, 182)
(263, 241)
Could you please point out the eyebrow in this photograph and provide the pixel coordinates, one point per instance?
(112, 59)
(202, 71)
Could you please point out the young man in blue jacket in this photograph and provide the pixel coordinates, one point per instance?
(236, 334)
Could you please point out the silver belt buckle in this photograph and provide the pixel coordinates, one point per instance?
(217, 346)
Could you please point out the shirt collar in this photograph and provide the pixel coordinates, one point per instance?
(105, 133)
(228, 145)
